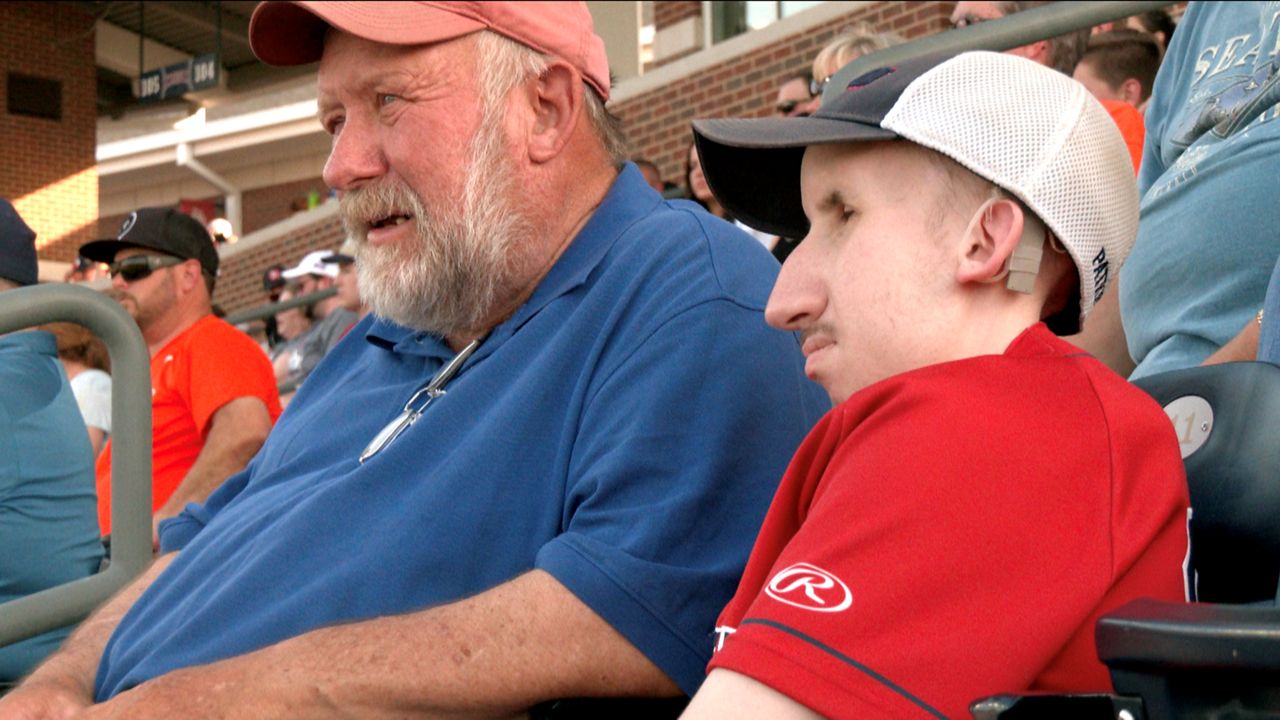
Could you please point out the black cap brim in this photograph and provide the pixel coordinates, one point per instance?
(753, 166)
(103, 250)
(337, 259)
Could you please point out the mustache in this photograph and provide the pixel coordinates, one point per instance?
(366, 205)
(816, 329)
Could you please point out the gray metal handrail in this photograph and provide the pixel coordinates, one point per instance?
(1011, 31)
(130, 455)
(261, 312)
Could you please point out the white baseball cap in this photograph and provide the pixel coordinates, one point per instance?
(1034, 132)
(312, 264)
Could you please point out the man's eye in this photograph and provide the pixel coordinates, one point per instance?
(385, 99)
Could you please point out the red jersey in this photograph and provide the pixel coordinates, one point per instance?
(207, 366)
(956, 531)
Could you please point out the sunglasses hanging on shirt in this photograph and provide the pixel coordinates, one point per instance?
(418, 403)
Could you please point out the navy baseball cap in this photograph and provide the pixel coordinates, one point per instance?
(159, 228)
(18, 261)
(273, 278)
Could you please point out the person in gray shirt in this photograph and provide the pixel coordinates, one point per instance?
(329, 319)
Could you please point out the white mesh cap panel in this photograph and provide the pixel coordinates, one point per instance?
(1039, 135)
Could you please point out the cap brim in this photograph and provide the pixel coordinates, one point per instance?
(753, 166)
(104, 250)
(337, 259)
(292, 33)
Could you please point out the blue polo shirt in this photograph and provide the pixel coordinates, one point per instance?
(624, 431)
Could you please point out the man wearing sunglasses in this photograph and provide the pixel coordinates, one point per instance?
(1060, 53)
(330, 319)
(213, 393)
(793, 97)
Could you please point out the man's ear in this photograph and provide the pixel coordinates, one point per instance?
(556, 97)
(1038, 51)
(990, 239)
(189, 275)
(1131, 91)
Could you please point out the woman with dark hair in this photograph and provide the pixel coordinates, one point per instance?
(88, 368)
(700, 193)
(694, 181)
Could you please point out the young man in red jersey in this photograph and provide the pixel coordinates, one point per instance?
(983, 491)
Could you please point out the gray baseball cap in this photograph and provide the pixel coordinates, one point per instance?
(1035, 133)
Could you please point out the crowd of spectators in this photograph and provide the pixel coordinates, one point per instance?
(591, 353)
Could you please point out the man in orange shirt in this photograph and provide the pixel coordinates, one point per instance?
(1061, 53)
(213, 393)
(1119, 68)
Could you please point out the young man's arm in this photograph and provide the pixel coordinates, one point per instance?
(236, 432)
(63, 684)
(730, 694)
(1103, 335)
(97, 439)
(491, 655)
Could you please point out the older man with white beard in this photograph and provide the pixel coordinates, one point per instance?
(534, 472)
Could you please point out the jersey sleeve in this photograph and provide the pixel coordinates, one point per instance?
(677, 456)
(952, 549)
(226, 365)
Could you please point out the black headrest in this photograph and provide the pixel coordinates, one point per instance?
(1227, 418)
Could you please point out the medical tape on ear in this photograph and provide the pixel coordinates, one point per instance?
(1024, 264)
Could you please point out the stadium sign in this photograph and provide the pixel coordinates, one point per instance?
(176, 80)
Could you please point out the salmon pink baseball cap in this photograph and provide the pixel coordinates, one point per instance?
(292, 33)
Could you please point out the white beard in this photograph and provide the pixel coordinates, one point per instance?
(462, 268)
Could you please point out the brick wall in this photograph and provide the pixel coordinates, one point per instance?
(657, 123)
(240, 284)
(268, 205)
(670, 12)
(47, 167)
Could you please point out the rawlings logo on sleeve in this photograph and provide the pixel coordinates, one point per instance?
(810, 588)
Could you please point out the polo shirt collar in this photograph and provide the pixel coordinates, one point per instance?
(629, 199)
